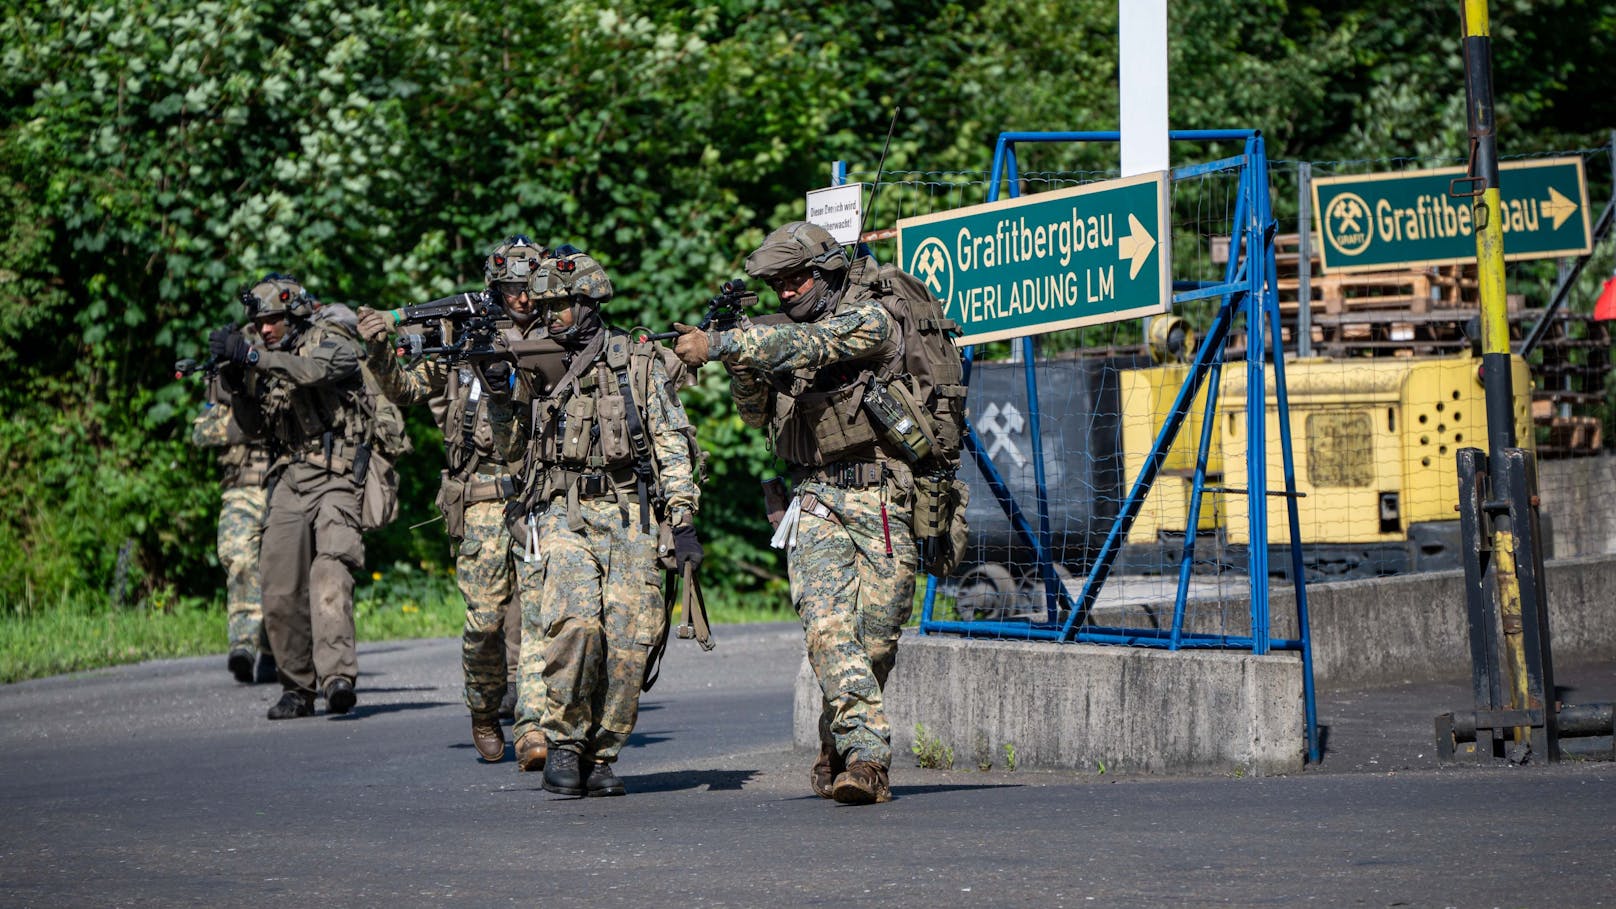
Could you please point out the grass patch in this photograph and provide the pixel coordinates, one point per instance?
(76, 637)
(402, 601)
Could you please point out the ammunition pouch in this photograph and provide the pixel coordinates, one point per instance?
(819, 427)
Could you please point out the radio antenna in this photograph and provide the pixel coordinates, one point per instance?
(879, 167)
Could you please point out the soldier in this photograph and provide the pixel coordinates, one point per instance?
(849, 548)
(611, 467)
(245, 462)
(477, 424)
(304, 388)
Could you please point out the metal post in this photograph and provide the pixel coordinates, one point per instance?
(1512, 551)
(1304, 263)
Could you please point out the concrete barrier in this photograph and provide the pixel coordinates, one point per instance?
(1150, 711)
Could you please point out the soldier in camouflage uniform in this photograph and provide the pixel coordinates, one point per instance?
(610, 462)
(243, 502)
(477, 424)
(304, 388)
(850, 551)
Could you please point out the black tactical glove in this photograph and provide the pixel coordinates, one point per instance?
(687, 546)
(228, 344)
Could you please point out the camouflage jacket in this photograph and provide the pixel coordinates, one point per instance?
(245, 461)
(478, 423)
(802, 380)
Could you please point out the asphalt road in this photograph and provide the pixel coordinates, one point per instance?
(163, 785)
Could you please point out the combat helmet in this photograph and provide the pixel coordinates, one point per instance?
(797, 247)
(572, 279)
(277, 294)
(512, 262)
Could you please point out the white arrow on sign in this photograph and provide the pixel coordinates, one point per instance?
(1136, 246)
(1557, 207)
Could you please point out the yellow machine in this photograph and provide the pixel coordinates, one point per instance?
(1374, 443)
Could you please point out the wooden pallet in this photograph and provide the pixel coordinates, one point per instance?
(1574, 435)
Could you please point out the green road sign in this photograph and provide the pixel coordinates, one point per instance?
(1055, 260)
(1372, 222)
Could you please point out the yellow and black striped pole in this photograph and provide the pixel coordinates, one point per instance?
(1500, 393)
(1478, 57)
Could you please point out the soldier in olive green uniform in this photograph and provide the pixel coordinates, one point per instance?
(305, 389)
(611, 460)
(850, 551)
(245, 464)
(477, 423)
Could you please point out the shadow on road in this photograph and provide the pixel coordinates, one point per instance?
(677, 780)
(361, 711)
(641, 739)
(899, 792)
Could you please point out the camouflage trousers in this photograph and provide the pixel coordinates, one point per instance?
(600, 605)
(312, 546)
(491, 640)
(241, 532)
(853, 599)
(530, 692)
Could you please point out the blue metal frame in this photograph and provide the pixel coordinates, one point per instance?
(1247, 289)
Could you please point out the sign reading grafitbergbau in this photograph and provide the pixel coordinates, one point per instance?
(1370, 222)
(1051, 261)
(838, 209)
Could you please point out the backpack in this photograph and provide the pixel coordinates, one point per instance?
(919, 404)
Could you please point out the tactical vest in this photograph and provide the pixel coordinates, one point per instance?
(589, 435)
(323, 424)
(468, 432)
(817, 417)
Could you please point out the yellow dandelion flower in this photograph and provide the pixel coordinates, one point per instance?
(375, 576)
(410, 607)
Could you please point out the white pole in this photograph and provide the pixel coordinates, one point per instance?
(1142, 41)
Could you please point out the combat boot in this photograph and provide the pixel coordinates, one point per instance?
(561, 774)
(489, 739)
(531, 750)
(822, 776)
(602, 781)
(292, 705)
(863, 783)
(339, 695)
(240, 663)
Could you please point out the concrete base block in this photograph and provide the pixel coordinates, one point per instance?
(1133, 710)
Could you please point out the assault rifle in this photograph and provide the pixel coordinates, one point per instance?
(190, 367)
(474, 327)
(208, 367)
(725, 311)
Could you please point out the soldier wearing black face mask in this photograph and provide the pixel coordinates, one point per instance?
(610, 468)
(471, 401)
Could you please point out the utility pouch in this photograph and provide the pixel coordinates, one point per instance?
(378, 499)
(580, 422)
(776, 498)
(900, 423)
(667, 559)
(938, 521)
(452, 502)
